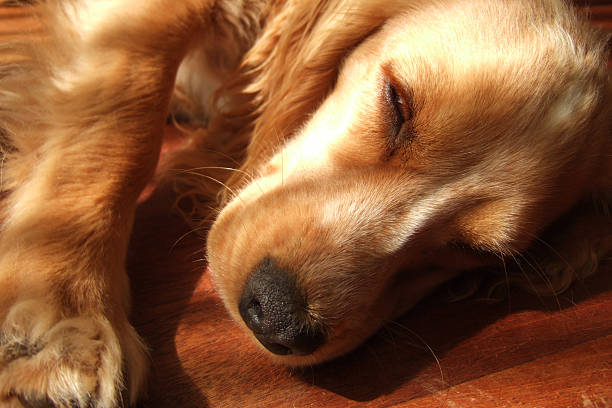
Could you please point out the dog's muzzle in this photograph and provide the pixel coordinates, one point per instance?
(273, 308)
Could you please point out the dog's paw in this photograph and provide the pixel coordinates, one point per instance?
(47, 361)
(572, 253)
(577, 262)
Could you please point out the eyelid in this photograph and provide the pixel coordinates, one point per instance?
(394, 102)
(398, 111)
(403, 92)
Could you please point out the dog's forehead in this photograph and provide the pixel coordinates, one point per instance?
(457, 43)
(465, 70)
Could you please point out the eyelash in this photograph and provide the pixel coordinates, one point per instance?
(399, 114)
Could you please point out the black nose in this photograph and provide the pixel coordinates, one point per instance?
(273, 308)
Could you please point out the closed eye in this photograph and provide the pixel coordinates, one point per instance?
(399, 112)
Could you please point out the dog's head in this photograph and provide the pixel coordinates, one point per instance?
(453, 135)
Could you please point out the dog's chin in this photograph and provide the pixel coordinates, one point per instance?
(337, 346)
(319, 357)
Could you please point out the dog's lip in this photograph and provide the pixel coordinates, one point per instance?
(278, 348)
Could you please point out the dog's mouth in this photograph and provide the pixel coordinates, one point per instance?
(302, 346)
(299, 322)
(273, 347)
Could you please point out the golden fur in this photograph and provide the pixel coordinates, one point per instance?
(507, 133)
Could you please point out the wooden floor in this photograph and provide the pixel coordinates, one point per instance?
(525, 352)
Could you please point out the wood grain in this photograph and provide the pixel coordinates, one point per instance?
(555, 355)
(524, 352)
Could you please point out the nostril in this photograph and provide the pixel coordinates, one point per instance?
(273, 308)
(254, 314)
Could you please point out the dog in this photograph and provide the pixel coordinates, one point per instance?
(384, 148)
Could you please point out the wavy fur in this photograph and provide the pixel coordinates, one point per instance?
(510, 136)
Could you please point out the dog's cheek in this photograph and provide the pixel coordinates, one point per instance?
(397, 297)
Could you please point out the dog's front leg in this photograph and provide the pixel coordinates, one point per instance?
(83, 113)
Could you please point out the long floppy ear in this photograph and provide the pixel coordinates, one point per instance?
(291, 68)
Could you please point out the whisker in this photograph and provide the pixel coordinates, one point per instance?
(224, 155)
(198, 252)
(542, 275)
(517, 262)
(500, 254)
(183, 236)
(249, 175)
(194, 173)
(541, 272)
(412, 332)
(553, 250)
(392, 331)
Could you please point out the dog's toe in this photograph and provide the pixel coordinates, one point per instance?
(46, 361)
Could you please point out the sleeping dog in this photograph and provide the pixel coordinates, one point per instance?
(384, 148)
